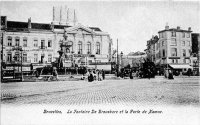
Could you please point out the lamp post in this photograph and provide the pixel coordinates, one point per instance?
(121, 54)
(95, 63)
(117, 66)
(72, 59)
(21, 65)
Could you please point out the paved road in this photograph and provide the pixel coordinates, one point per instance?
(158, 91)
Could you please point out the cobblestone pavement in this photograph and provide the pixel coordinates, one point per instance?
(157, 91)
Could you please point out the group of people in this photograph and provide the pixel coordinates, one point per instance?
(94, 75)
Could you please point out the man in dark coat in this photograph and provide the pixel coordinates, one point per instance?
(103, 74)
(90, 77)
(170, 75)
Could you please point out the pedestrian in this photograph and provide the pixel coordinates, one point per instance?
(103, 74)
(90, 76)
(189, 72)
(95, 75)
(170, 75)
(36, 74)
(98, 75)
(55, 73)
(131, 74)
(149, 73)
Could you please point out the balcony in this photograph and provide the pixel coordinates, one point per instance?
(42, 47)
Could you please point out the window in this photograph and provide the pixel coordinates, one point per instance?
(88, 48)
(173, 34)
(9, 57)
(67, 50)
(79, 47)
(183, 43)
(173, 51)
(176, 60)
(49, 43)
(35, 43)
(9, 41)
(157, 45)
(35, 57)
(173, 61)
(188, 43)
(97, 48)
(49, 58)
(24, 42)
(70, 43)
(184, 60)
(163, 53)
(17, 41)
(189, 51)
(24, 57)
(173, 42)
(184, 52)
(42, 44)
(17, 57)
(188, 35)
(163, 43)
(161, 35)
(183, 35)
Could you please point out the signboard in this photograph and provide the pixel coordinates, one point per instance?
(16, 68)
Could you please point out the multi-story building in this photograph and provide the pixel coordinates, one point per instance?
(150, 51)
(174, 47)
(41, 42)
(195, 53)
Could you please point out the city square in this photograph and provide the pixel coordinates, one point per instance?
(100, 62)
(182, 91)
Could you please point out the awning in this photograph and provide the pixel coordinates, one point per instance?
(181, 66)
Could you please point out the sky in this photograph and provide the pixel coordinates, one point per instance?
(131, 22)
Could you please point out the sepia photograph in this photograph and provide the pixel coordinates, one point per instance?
(100, 62)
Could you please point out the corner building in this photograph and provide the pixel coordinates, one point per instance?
(174, 47)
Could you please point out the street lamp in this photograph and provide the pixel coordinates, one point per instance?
(121, 54)
(72, 59)
(95, 63)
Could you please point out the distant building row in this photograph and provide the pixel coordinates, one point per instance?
(41, 42)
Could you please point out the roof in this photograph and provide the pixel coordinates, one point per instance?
(136, 53)
(41, 26)
(95, 28)
(60, 26)
(14, 24)
(174, 29)
(182, 66)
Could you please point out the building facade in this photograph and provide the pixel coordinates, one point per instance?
(150, 51)
(174, 47)
(195, 53)
(41, 42)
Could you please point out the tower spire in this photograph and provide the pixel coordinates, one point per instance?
(60, 14)
(68, 16)
(53, 13)
(75, 19)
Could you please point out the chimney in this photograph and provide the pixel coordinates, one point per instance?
(166, 27)
(189, 28)
(29, 23)
(3, 21)
(178, 27)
